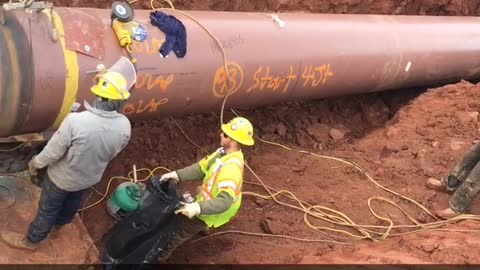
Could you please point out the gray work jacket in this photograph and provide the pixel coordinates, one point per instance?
(80, 150)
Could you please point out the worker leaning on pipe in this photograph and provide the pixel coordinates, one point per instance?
(219, 197)
(77, 155)
(463, 180)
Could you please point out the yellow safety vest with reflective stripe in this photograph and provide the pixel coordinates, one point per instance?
(222, 174)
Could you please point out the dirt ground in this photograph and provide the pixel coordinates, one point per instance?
(401, 138)
(55, 250)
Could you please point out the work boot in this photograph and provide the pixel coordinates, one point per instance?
(54, 233)
(446, 213)
(436, 184)
(17, 240)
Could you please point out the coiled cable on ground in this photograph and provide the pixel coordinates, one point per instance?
(329, 215)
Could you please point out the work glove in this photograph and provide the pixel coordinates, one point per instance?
(189, 209)
(32, 170)
(170, 175)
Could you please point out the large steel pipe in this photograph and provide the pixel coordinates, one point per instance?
(313, 56)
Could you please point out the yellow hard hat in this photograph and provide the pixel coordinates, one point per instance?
(239, 129)
(111, 85)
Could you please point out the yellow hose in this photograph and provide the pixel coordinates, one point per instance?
(130, 178)
(319, 212)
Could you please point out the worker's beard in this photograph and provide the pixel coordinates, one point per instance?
(225, 143)
(107, 105)
(230, 145)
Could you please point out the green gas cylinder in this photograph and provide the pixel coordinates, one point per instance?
(124, 199)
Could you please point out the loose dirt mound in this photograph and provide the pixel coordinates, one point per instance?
(423, 139)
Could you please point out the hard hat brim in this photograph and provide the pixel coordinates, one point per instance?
(98, 92)
(243, 141)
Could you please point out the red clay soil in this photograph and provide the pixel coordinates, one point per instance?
(54, 250)
(423, 139)
(401, 139)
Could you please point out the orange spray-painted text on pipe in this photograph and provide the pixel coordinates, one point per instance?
(148, 47)
(151, 83)
(264, 80)
(142, 106)
(220, 80)
(313, 76)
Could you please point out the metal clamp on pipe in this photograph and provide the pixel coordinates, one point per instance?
(27, 4)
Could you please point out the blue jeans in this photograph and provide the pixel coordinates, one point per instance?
(57, 207)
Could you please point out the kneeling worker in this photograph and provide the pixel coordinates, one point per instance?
(463, 180)
(219, 197)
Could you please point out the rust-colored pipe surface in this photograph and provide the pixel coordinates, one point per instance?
(311, 56)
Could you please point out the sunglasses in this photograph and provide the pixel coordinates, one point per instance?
(225, 135)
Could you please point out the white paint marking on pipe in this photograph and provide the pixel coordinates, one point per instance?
(407, 68)
(276, 19)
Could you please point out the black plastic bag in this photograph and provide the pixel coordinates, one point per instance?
(143, 235)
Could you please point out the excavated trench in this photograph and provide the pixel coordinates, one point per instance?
(400, 137)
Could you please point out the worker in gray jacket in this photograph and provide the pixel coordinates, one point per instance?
(77, 155)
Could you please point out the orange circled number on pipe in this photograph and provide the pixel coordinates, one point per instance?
(220, 84)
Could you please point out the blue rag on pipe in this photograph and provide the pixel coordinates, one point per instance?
(176, 35)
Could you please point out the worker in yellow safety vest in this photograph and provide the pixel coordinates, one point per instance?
(219, 197)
